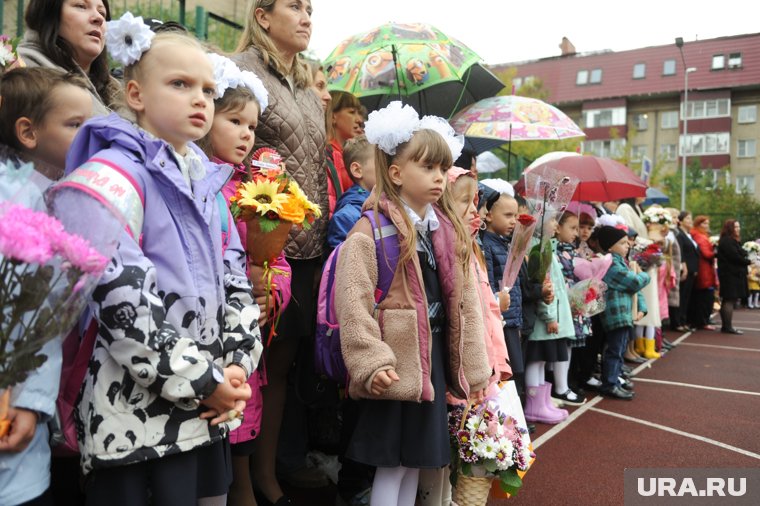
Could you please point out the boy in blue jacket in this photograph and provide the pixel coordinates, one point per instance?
(358, 157)
(623, 283)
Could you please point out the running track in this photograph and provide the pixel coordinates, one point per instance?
(698, 406)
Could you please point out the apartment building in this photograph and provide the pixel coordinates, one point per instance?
(633, 101)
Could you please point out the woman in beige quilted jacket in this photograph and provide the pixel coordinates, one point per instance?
(293, 124)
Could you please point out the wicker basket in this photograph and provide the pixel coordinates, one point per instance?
(471, 491)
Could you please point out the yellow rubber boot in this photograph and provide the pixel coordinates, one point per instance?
(638, 345)
(649, 352)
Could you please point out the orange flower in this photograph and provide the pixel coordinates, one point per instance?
(292, 211)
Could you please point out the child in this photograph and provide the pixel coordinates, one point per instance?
(623, 283)
(400, 352)
(586, 224)
(549, 343)
(358, 154)
(230, 140)
(566, 373)
(435, 488)
(753, 283)
(177, 327)
(41, 111)
(500, 220)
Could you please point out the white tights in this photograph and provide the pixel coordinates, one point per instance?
(561, 370)
(394, 486)
(219, 500)
(646, 332)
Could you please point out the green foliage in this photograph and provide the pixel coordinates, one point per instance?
(714, 197)
(266, 225)
(510, 482)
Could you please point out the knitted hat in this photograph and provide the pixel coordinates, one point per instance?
(608, 236)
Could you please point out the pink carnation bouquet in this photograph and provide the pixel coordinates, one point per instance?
(46, 275)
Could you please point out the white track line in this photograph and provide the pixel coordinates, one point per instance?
(680, 433)
(722, 347)
(703, 387)
(546, 436)
(747, 328)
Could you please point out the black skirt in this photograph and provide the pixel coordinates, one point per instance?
(300, 317)
(409, 434)
(550, 350)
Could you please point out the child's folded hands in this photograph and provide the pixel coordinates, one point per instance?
(229, 399)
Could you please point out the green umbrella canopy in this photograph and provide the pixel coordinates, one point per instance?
(398, 59)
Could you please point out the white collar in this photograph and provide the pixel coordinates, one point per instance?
(191, 166)
(428, 223)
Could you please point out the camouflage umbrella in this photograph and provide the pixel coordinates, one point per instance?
(416, 63)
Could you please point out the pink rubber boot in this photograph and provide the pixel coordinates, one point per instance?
(535, 407)
(547, 392)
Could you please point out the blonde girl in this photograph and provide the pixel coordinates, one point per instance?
(400, 352)
(177, 333)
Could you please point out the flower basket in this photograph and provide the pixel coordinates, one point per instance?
(472, 491)
(263, 247)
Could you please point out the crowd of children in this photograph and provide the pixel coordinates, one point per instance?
(176, 360)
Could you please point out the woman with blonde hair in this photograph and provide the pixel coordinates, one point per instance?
(293, 123)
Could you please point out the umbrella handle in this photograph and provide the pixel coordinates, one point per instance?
(394, 53)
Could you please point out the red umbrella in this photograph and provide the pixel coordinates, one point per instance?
(599, 179)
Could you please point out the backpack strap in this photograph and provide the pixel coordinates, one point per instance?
(387, 249)
(114, 187)
(225, 217)
(330, 282)
(332, 172)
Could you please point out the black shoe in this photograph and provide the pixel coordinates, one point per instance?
(667, 343)
(531, 427)
(732, 331)
(568, 398)
(627, 385)
(617, 393)
(626, 369)
(262, 500)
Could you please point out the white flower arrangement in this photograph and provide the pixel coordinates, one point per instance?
(128, 38)
(657, 216)
(228, 75)
(751, 247)
(714, 239)
(396, 123)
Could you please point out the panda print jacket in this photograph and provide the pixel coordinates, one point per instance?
(172, 310)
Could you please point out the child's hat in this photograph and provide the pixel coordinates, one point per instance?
(608, 236)
(500, 186)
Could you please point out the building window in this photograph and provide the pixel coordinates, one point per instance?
(745, 148)
(669, 68)
(748, 114)
(718, 61)
(668, 152)
(669, 119)
(715, 108)
(745, 184)
(707, 144)
(638, 152)
(612, 148)
(641, 121)
(595, 118)
(640, 71)
(734, 60)
(596, 76)
(529, 80)
(581, 78)
(517, 83)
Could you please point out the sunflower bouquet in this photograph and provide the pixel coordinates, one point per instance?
(270, 204)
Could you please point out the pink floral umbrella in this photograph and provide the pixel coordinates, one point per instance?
(494, 121)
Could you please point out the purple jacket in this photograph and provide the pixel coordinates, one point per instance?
(172, 311)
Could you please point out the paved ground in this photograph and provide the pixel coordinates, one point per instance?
(698, 406)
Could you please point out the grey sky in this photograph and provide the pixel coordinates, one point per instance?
(515, 30)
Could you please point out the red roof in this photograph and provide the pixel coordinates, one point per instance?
(559, 73)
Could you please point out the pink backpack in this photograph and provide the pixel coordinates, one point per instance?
(328, 358)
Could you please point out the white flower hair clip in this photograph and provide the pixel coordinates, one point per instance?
(396, 123)
(228, 75)
(128, 38)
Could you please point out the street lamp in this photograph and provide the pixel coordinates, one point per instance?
(687, 71)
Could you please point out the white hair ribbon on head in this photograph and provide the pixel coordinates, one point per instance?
(228, 75)
(128, 38)
(396, 123)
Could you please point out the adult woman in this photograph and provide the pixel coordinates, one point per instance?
(630, 211)
(343, 118)
(319, 83)
(732, 273)
(70, 35)
(690, 259)
(704, 286)
(293, 124)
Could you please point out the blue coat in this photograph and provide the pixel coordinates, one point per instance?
(496, 251)
(347, 213)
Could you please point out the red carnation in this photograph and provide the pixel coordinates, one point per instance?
(526, 220)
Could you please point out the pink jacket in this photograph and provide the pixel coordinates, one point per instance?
(249, 429)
